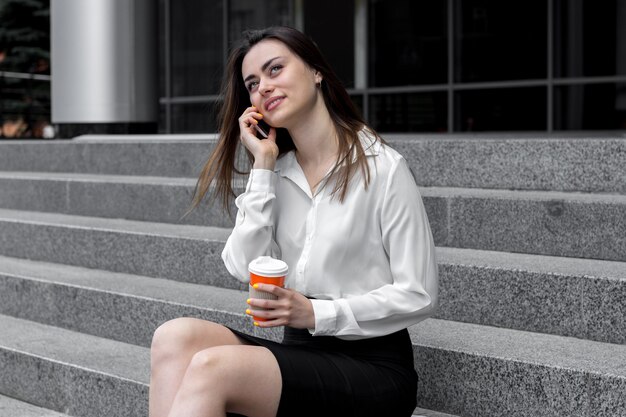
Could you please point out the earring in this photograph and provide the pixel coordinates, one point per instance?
(319, 84)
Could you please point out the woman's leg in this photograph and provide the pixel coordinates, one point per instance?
(174, 344)
(239, 379)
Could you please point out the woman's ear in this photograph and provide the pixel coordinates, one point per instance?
(318, 78)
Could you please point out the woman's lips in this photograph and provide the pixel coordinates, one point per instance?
(273, 102)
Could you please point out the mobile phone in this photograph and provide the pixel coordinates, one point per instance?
(263, 128)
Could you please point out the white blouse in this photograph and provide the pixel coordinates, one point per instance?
(369, 262)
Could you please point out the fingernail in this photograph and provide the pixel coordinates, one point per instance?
(256, 324)
(256, 122)
(255, 286)
(260, 115)
(247, 311)
(248, 301)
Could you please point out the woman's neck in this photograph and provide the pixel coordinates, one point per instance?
(315, 138)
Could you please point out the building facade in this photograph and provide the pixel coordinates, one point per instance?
(413, 66)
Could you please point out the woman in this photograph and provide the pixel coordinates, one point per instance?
(328, 197)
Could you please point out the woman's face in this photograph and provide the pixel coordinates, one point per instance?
(281, 86)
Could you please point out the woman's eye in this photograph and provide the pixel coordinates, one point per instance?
(275, 69)
(252, 85)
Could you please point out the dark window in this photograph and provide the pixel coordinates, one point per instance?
(500, 109)
(417, 112)
(500, 40)
(357, 99)
(407, 42)
(590, 107)
(196, 47)
(194, 118)
(334, 34)
(588, 38)
(252, 14)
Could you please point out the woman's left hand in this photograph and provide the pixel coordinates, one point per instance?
(291, 309)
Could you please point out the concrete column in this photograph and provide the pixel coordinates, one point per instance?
(104, 65)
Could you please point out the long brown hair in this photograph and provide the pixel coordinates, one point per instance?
(222, 164)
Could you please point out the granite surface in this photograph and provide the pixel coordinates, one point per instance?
(72, 373)
(473, 370)
(184, 253)
(590, 164)
(10, 407)
(535, 223)
(123, 157)
(550, 223)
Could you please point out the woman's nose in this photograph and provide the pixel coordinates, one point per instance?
(265, 87)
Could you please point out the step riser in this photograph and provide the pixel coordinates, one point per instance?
(555, 228)
(189, 260)
(154, 203)
(553, 164)
(114, 316)
(583, 307)
(459, 383)
(563, 164)
(452, 382)
(566, 305)
(68, 389)
(169, 159)
(583, 229)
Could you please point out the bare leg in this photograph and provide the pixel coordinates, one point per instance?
(174, 344)
(241, 379)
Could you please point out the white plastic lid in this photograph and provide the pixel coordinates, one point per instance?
(268, 267)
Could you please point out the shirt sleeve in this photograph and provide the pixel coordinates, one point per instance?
(413, 294)
(253, 234)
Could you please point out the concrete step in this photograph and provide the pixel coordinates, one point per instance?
(160, 155)
(591, 226)
(464, 369)
(516, 161)
(145, 198)
(560, 162)
(178, 252)
(80, 374)
(540, 222)
(562, 296)
(584, 299)
(474, 370)
(576, 297)
(123, 307)
(70, 372)
(10, 407)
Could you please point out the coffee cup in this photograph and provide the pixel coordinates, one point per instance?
(266, 270)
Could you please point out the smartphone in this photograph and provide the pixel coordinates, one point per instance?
(263, 128)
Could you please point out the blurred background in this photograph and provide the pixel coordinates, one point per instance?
(410, 66)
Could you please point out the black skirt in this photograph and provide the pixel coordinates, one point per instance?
(327, 376)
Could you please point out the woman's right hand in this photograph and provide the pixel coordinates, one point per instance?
(264, 151)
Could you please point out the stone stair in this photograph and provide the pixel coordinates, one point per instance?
(531, 236)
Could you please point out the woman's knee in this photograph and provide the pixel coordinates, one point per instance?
(245, 379)
(175, 338)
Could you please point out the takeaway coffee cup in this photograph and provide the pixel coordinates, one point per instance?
(266, 270)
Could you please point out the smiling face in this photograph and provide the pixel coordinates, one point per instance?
(281, 86)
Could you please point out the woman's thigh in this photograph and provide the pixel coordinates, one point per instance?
(247, 378)
(193, 335)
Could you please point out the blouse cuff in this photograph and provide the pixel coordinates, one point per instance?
(262, 180)
(325, 318)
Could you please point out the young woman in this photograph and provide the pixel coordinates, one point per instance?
(341, 208)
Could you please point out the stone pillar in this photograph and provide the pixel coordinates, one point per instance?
(104, 66)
